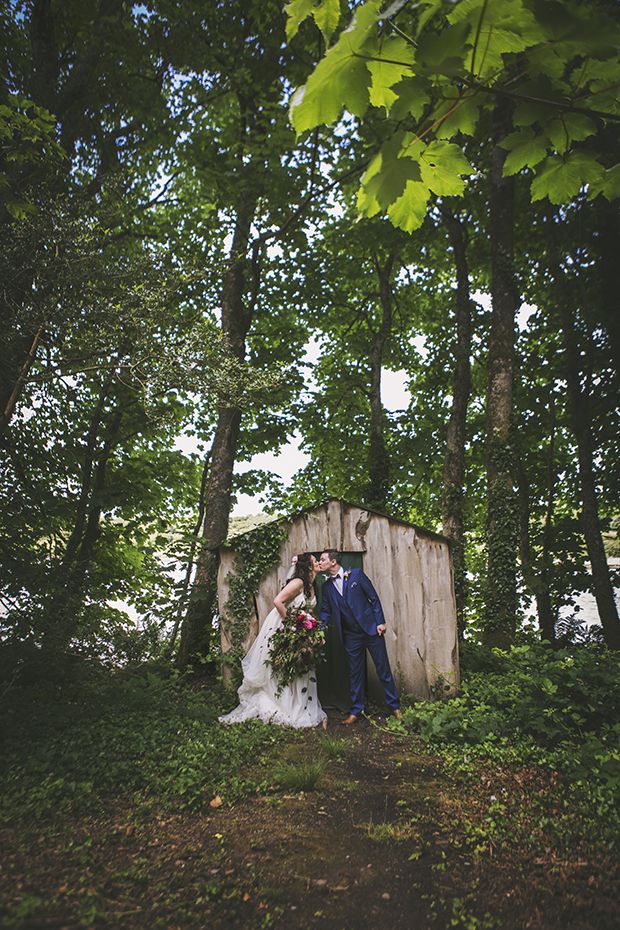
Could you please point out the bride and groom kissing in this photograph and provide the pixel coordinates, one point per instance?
(350, 601)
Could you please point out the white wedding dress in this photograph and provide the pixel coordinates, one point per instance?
(298, 704)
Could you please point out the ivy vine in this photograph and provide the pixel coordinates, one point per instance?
(259, 550)
(502, 541)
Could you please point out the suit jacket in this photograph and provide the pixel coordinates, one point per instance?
(359, 600)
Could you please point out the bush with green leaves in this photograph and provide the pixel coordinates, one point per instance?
(141, 735)
(559, 708)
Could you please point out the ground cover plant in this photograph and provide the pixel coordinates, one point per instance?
(125, 803)
(556, 708)
(140, 733)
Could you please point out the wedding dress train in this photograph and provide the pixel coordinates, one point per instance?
(298, 704)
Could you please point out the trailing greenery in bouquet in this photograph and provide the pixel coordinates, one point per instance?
(296, 646)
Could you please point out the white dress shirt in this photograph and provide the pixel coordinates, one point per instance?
(338, 581)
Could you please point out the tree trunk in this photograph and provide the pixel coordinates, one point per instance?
(378, 459)
(192, 554)
(580, 410)
(547, 616)
(11, 402)
(502, 509)
(67, 603)
(607, 222)
(197, 626)
(454, 464)
(540, 581)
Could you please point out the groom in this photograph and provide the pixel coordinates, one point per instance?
(349, 597)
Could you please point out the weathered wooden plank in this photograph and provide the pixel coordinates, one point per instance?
(441, 657)
(334, 525)
(408, 611)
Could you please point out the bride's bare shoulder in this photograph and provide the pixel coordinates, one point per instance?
(291, 589)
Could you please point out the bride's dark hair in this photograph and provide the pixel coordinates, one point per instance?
(303, 566)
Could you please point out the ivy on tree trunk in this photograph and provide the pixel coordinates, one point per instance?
(502, 508)
(454, 462)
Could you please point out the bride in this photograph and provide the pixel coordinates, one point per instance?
(298, 704)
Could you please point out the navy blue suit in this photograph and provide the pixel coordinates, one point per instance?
(357, 613)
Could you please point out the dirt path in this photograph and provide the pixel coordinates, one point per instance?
(382, 843)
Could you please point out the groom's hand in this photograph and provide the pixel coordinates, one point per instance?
(381, 628)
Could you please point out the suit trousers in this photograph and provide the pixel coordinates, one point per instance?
(356, 644)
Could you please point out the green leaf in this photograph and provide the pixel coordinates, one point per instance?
(433, 7)
(388, 174)
(550, 94)
(570, 127)
(327, 17)
(442, 165)
(560, 178)
(297, 11)
(545, 61)
(412, 98)
(608, 184)
(410, 209)
(528, 113)
(443, 53)
(600, 75)
(402, 175)
(394, 59)
(578, 30)
(19, 209)
(389, 183)
(463, 118)
(525, 150)
(501, 27)
(335, 83)
(340, 79)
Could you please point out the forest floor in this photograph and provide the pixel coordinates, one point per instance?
(389, 838)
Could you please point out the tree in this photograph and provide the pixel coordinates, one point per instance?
(102, 339)
(579, 377)
(545, 71)
(437, 72)
(257, 186)
(453, 523)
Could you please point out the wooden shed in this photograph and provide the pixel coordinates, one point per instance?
(411, 569)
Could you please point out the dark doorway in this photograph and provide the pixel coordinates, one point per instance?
(333, 674)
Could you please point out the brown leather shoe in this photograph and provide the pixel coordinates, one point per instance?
(350, 719)
(398, 714)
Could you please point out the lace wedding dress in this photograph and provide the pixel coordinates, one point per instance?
(298, 704)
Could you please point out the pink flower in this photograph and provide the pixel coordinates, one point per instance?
(308, 623)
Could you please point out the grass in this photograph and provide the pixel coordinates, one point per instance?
(300, 776)
(335, 748)
(387, 832)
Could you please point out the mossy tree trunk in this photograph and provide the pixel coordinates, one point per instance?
(502, 504)
(453, 526)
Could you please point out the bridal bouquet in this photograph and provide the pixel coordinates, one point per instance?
(295, 646)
